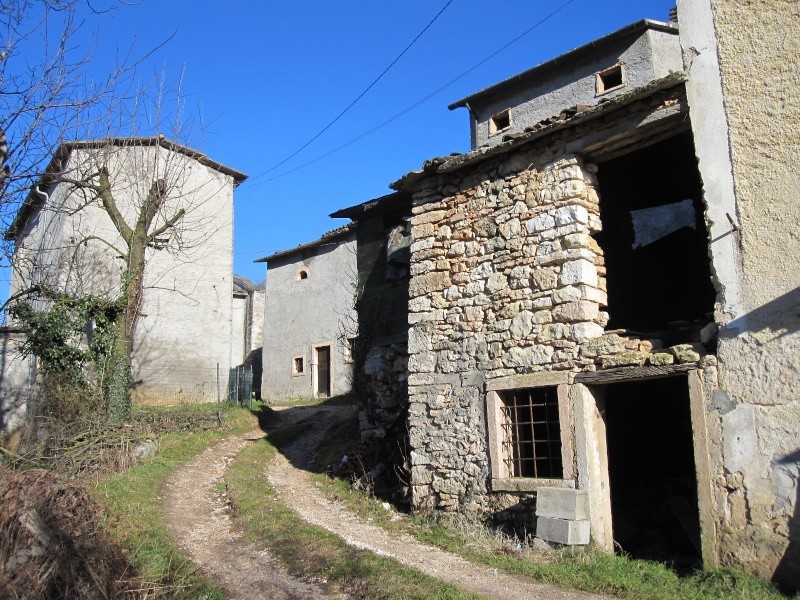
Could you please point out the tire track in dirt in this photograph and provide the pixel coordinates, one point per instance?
(198, 516)
(297, 491)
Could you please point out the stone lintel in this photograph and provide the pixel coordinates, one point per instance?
(529, 380)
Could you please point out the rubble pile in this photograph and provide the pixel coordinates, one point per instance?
(52, 545)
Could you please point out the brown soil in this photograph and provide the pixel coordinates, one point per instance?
(197, 514)
(51, 545)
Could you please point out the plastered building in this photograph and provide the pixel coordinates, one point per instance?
(67, 242)
(309, 318)
(602, 303)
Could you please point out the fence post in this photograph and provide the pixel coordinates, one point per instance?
(219, 409)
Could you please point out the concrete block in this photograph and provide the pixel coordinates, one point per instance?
(561, 503)
(562, 531)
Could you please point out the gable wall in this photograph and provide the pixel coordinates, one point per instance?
(300, 314)
(184, 329)
(647, 55)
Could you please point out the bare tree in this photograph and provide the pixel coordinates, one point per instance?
(47, 91)
(113, 207)
(105, 205)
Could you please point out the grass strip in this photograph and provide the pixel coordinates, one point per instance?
(136, 516)
(586, 570)
(314, 552)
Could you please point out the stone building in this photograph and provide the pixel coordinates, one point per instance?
(66, 241)
(309, 318)
(380, 358)
(599, 302)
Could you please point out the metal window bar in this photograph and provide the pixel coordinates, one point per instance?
(532, 433)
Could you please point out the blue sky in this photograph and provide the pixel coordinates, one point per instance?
(267, 76)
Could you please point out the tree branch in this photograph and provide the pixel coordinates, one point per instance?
(170, 223)
(110, 206)
(99, 239)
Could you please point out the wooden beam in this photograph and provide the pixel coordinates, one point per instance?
(632, 373)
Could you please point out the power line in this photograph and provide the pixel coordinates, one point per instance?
(418, 102)
(361, 95)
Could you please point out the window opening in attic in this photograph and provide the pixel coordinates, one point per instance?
(499, 122)
(301, 274)
(610, 79)
(655, 243)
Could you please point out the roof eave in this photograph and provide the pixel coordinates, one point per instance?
(566, 57)
(440, 165)
(381, 203)
(324, 239)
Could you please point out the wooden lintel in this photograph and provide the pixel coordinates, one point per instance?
(631, 373)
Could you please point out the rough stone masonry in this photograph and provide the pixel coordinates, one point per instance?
(506, 278)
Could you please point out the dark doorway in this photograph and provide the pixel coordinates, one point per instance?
(652, 472)
(324, 371)
(655, 241)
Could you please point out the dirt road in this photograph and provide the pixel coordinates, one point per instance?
(198, 516)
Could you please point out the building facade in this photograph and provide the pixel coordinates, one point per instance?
(310, 319)
(596, 313)
(66, 241)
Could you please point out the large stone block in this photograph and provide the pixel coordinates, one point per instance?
(580, 271)
(562, 531)
(562, 503)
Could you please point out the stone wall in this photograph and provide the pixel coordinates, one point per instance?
(505, 279)
(386, 373)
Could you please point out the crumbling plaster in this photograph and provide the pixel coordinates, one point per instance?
(741, 58)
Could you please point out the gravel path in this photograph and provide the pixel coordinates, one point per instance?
(297, 491)
(198, 516)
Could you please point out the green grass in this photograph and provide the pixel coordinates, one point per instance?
(586, 570)
(313, 551)
(136, 516)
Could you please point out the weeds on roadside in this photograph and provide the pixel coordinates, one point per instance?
(587, 569)
(136, 515)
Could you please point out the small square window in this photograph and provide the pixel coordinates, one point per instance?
(298, 365)
(499, 122)
(610, 79)
(347, 349)
(530, 433)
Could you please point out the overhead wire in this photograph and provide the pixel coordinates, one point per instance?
(361, 95)
(418, 102)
